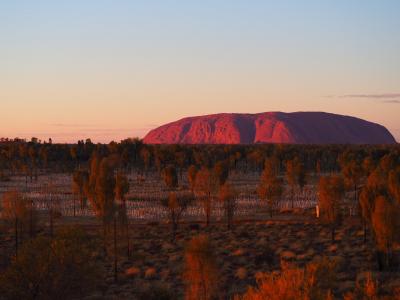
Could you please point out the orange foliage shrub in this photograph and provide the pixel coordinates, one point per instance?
(384, 223)
(314, 282)
(331, 193)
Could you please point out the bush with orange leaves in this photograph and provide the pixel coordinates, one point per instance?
(330, 197)
(201, 274)
(316, 281)
(385, 224)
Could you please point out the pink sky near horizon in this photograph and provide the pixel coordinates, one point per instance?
(114, 128)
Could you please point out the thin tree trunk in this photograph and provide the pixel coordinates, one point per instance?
(208, 211)
(51, 223)
(104, 236)
(74, 205)
(31, 220)
(174, 229)
(115, 251)
(355, 193)
(16, 238)
(127, 239)
(292, 192)
(365, 231)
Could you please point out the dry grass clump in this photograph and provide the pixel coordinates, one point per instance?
(155, 291)
(150, 273)
(288, 255)
(238, 252)
(132, 272)
(316, 281)
(241, 273)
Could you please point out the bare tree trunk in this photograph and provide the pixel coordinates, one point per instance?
(174, 229)
(365, 231)
(355, 193)
(74, 205)
(292, 192)
(16, 238)
(270, 204)
(128, 239)
(31, 220)
(51, 222)
(208, 209)
(104, 236)
(115, 251)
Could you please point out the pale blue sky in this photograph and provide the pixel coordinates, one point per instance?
(114, 69)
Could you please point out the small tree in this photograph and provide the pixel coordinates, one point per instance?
(206, 187)
(318, 169)
(101, 192)
(180, 158)
(353, 172)
(176, 206)
(192, 172)
(385, 224)
(270, 187)
(221, 170)
(374, 187)
(79, 181)
(105, 192)
(170, 177)
(295, 175)
(121, 188)
(15, 210)
(368, 165)
(145, 155)
(331, 193)
(394, 184)
(201, 274)
(227, 195)
(366, 205)
(54, 212)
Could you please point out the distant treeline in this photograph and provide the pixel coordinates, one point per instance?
(20, 156)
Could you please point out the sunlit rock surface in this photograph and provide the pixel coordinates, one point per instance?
(271, 127)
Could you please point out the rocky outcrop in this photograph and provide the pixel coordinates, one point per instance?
(271, 127)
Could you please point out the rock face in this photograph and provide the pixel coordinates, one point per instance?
(271, 127)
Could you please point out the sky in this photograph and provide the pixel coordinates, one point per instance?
(109, 70)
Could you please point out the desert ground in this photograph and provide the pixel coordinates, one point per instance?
(256, 243)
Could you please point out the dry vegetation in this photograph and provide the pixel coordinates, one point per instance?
(131, 221)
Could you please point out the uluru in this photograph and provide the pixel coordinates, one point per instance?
(271, 127)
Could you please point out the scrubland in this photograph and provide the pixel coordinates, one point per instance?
(200, 223)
